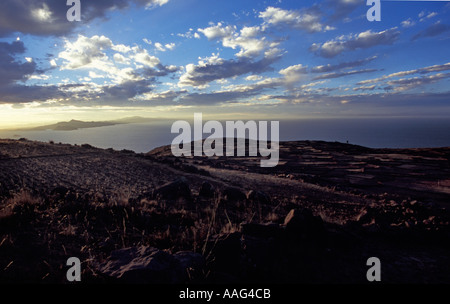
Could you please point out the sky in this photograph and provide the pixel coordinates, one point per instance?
(245, 59)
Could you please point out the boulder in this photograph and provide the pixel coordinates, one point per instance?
(302, 223)
(261, 230)
(233, 194)
(173, 190)
(149, 265)
(225, 250)
(189, 260)
(258, 196)
(206, 190)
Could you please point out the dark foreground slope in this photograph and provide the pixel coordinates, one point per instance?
(316, 217)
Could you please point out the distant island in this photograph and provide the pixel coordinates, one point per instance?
(78, 124)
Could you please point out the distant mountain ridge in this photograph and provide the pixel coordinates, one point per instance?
(79, 124)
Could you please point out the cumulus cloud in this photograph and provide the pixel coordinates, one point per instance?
(168, 97)
(308, 20)
(250, 40)
(98, 56)
(48, 17)
(218, 31)
(362, 40)
(86, 52)
(91, 53)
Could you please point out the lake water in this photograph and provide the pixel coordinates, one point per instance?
(370, 132)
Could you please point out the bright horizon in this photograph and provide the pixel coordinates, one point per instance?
(237, 60)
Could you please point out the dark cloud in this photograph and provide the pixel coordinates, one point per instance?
(12, 70)
(214, 98)
(125, 91)
(343, 65)
(16, 94)
(432, 30)
(343, 74)
(415, 82)
(202, 74)
(342, 8)
(48, 17)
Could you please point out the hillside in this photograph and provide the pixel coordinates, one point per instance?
(317, 217)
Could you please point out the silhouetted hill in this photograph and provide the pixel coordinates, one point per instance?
(78, 124)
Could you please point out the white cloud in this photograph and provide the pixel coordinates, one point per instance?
(159, 47)
(307, 19)
(218, 31)
(154, 3)
(39, 77)
(98, 53)
(144, 58)
(94, 75)
(42, 14)
(250, 40)
(412, 83)
(352, 42)
(293, 74)
(425, 70)
(408, 23)
(121, 48)
(253, 78)
(170, 46)
(162, 48)
(119, 58)
(86, 52)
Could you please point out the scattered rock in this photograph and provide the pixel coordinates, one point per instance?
(149, 265)
(173, 190)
